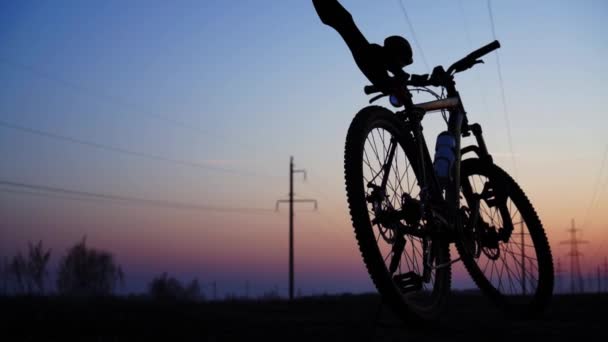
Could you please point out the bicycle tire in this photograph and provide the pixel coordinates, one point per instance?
(410, 307)
(514, 298)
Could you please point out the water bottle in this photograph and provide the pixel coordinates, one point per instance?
(444, 157)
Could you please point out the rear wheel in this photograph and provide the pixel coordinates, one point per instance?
(384, 200)
(503, 246)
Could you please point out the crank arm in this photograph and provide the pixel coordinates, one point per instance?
(445, 264)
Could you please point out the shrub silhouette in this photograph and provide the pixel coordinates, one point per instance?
(85, 271)
(18, 272)
(164, 287)
(37, 263)
(21, 275)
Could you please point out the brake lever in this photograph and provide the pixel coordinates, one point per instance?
(478, 61)
(376, 98)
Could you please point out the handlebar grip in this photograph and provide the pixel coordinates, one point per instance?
(371, 89)
(484, 50)
(471, 59)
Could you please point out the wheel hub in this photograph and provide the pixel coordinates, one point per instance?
(489, 241)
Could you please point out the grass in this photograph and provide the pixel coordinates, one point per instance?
(327, 318)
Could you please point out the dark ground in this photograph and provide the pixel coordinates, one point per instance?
(334, 318)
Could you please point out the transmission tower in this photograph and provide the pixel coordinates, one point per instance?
(291, 201)
(576, 277)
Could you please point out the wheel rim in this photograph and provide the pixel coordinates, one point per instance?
(511, 267)
(401, 180)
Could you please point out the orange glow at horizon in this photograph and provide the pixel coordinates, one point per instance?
(252, 246)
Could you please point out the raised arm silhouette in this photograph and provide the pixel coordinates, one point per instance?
(375, 61)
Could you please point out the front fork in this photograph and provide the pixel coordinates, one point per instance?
(493, 193)
(480, 149)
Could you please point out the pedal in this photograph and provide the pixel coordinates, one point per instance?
(408, 282)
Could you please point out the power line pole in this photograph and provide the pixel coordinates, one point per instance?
(576, 277)
(291, 201)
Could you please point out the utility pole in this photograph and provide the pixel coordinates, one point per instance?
(576, 278)
(291, 201)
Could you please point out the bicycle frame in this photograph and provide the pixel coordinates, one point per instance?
(457, 126)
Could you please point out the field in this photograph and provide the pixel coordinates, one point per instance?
(331, 318)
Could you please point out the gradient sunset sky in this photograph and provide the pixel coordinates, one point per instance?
(223, 92)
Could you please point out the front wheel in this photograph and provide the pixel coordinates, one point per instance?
(503, 244)
(411, 272)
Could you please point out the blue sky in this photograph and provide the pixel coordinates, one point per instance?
(243, 85)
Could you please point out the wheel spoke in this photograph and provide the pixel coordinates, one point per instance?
(513, 268)
(385, 162)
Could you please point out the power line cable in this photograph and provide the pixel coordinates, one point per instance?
(470, 44)
(119, 102)
(105, 97)
(79, 198)
(120, 150)
(53, 196)
(596, 186)
(409, 23)
(596, 196)
(465, 25)
(502, 91)
(133, 200)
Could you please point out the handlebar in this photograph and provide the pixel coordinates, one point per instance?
(484, 50)
(439, 77)
(371, 89)
(472, 58)
(415, 80)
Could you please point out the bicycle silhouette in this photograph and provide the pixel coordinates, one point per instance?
(407, 208)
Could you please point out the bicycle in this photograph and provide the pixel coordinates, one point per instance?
(407, 208)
